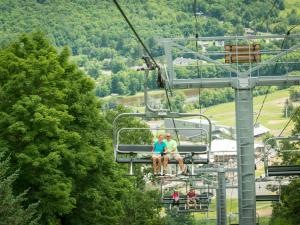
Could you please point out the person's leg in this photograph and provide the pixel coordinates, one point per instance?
(195, 203)
(188, 203)
(180, 162)
(154, 164)
(159, 163)
(165, 163)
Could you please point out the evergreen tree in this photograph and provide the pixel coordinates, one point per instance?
(12, 211)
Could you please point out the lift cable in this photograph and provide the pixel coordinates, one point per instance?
(268, 90)
(291, 118)
(282, 44)
(160, 80)
(197, 61)
(135, 32)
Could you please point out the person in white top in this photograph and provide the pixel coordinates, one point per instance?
(172, 152)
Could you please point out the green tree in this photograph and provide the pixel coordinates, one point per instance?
(294, 93)
(11, 207)
(133, 86)
(142, 208)
(51, 120)
(286, 211)
(117, 64)
(102, 90)
(293, 18)
(61, 142)
(94, 69)
(175, 218)
(177, 102)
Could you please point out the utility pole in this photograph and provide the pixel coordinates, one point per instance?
(243, 83)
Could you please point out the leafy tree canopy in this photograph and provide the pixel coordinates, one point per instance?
(59, 140)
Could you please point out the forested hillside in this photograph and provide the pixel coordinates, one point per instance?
(56, 151)
(95, 28)
(101, 41)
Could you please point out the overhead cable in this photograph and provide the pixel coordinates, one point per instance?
(268, 90)
(291, 118)
(160, 80)
(135, 32)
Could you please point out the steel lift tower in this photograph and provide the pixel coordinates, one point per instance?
(246, 68)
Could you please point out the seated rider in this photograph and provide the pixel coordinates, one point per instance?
(173, 153)
(175, 198)
(191, 198)
(159, 148)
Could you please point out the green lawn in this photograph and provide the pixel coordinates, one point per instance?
(232, 208)
(271, 115)
(291, 4)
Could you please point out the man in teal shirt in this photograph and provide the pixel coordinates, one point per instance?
(173, 153)
(159, 148)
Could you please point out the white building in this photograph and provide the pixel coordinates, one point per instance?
(223, 150)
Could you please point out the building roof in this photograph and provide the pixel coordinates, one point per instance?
(194, 121)
(183, 61)
(227, 147)
(223, 146)
(260, 129)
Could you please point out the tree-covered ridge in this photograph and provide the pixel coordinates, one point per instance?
(96, 29)
(102, 43)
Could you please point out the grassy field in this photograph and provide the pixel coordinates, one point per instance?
(271, 115)
(262, 221)
(291, 4)
(232, 209)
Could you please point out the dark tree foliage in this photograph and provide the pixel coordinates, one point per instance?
(286, 212)
(59, 140)
(175, 218)
(11, 207)
(96, 28)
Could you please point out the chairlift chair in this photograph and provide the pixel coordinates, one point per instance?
(280, 170)
(203, 200)
(127, 153)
